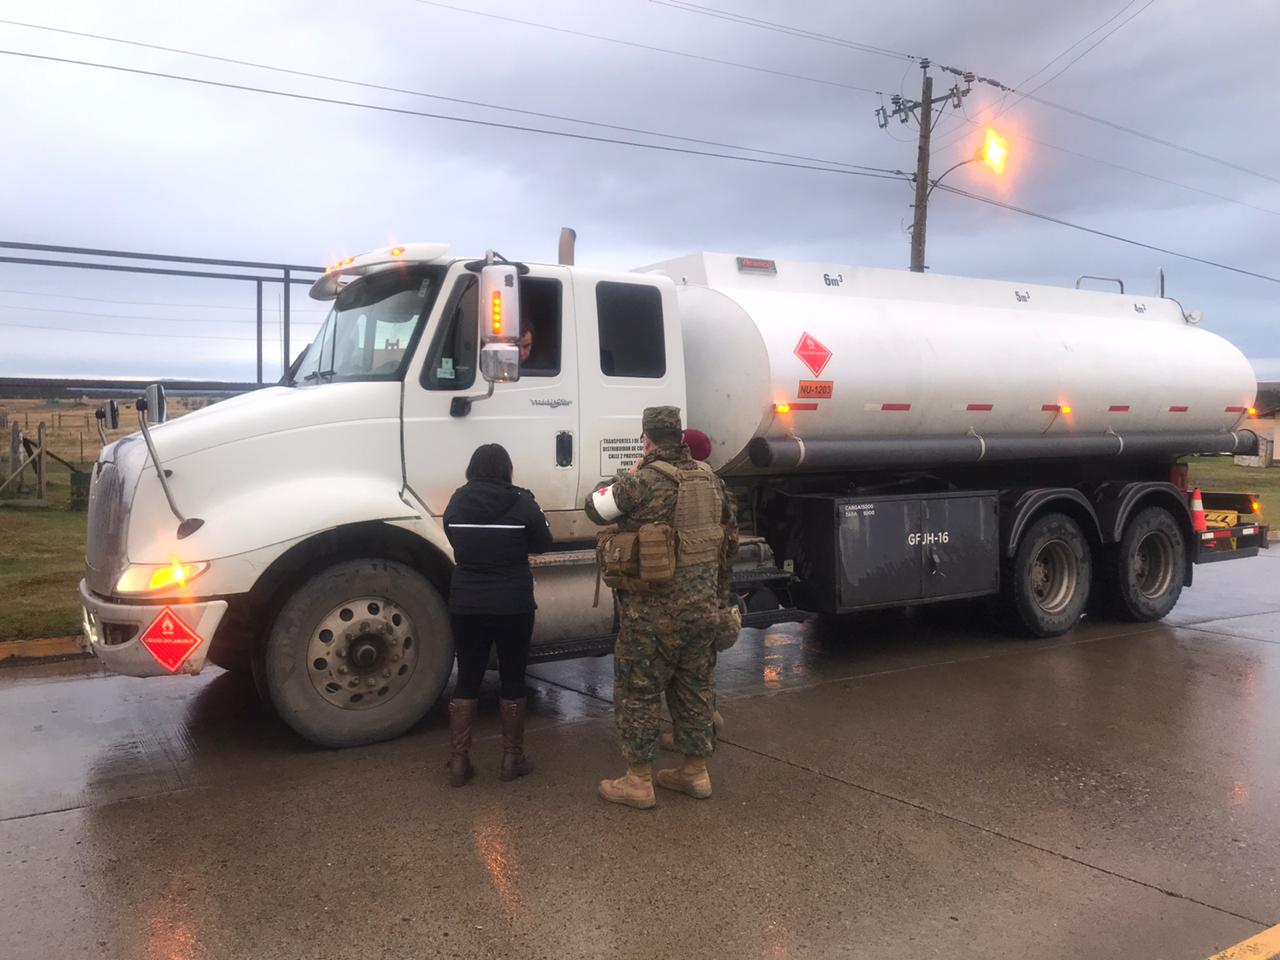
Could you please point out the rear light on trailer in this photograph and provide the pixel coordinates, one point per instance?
(1255, 506)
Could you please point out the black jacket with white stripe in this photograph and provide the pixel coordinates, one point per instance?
(493, 527)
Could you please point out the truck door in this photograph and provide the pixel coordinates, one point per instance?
(536, 419)
(630, 357)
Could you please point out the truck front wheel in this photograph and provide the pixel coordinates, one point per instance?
(359, 653)
(1143, 574)
(1047, 584)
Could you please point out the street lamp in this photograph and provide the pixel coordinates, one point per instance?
(992, 154)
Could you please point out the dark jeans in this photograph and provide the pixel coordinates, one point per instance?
(473, 637)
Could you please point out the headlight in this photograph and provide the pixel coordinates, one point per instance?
(147, 578)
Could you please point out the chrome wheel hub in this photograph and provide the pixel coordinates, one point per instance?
(362, 653)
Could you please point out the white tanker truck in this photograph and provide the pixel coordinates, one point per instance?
(892, 439)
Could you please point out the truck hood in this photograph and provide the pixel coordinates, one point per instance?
(274, 410)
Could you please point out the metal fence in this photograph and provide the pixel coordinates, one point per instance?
(260, 274)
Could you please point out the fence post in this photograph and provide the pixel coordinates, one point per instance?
(82, 448)
(15, 453)
(40, 441)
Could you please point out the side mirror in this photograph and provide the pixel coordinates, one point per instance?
(156, 409)
(500, 362)
(112, 415)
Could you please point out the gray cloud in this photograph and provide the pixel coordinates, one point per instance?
(130, 162)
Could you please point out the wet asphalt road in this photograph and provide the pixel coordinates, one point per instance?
(900, 786)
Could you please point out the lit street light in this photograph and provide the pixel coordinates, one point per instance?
(992, 154)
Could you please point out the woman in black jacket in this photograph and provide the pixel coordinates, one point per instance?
(493, 527)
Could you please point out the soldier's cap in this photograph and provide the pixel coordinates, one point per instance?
(660, 420)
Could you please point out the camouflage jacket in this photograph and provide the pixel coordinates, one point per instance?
(648, 496)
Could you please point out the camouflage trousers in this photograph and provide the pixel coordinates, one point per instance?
(663, 648)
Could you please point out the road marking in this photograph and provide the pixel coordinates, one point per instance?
(1264, 946)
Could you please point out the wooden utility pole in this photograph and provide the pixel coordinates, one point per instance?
(922, 110)
(920, 222)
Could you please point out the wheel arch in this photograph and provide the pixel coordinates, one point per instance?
(378, 539)
(1117, 506)
(1021, 510)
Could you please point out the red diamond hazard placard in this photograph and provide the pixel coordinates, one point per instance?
(813, 354)
(170, 640)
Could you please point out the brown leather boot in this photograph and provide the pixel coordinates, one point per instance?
(634, 788)
(514, 763)
(690, 778)
(462, 714)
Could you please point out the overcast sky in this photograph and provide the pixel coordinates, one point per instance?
(101, 159)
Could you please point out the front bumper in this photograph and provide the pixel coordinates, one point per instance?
(113, 632)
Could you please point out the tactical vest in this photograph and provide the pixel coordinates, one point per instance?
(699, 505)
(647, 560)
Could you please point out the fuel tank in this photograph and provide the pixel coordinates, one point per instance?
(794, 366)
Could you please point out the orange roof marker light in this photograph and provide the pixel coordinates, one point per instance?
(397, 251)
(994, 152)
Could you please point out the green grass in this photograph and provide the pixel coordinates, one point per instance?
(41, 563)
(1222, 475)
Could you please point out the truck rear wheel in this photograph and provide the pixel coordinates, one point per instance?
(1047, 585)
(359, 653)
(1143, 574)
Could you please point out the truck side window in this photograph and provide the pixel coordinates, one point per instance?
(630, 323)
(539, 327)
(451, 364)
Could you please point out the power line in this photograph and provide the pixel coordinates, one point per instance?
(1102, 233)
(645, 46)
(1004, 105)
(1134, 171)
(1153, 139)
(881, 173)
(693, 8)
(1027, 79)
(402, 90)
(784, 28)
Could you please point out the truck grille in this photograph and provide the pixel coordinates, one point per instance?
(115, 478)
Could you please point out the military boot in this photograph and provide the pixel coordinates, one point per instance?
(690, 777)
(634, 789)
(514, 763)
(462, 714)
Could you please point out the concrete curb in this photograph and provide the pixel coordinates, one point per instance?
(14, 652)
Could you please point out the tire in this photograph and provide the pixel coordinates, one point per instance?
(1142, 576)
(359, 653)
(1047, 584)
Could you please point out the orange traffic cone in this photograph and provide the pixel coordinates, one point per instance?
(1197, 512)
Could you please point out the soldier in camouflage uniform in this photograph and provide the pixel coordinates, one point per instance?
(666, 639)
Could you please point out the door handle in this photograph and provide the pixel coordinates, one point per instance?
(564, 449)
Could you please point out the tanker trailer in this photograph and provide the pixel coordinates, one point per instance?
(899, 439)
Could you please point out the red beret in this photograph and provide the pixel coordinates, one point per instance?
(699, 444)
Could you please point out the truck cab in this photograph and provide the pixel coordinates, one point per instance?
(348, 465)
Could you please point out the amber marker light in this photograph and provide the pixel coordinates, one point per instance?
(1065, 408)
(397, 251)
(782, 408)
(1252, 411)
(175, 575)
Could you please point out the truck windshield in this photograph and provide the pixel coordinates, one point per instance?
(372, 326)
